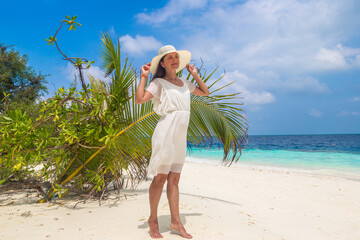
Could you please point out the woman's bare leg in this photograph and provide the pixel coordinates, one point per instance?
(173, 197)
(155, 191)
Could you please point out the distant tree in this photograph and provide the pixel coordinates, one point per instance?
(18, 80)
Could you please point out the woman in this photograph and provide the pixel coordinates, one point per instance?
(170, 96)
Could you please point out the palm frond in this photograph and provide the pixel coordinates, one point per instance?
(218, 118)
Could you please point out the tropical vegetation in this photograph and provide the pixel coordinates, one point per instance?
(20, 85)
(84, 140)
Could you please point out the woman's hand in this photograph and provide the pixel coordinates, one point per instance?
(145, 69)
(142, 96)
(191, 69)
(202, 89)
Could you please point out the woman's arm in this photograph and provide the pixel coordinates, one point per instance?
(141, 95)
(202, 89)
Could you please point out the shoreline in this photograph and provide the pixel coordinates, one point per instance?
(216, 202)
(349, 173)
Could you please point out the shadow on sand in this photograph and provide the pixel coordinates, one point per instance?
(165, 220)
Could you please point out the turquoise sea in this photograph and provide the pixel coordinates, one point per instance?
(337, 154)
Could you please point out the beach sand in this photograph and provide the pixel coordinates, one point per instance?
(216, 202)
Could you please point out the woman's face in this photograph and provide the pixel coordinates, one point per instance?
(171, 61)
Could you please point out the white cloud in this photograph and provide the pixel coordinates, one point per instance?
(270, 81)
(278, 45)
(304, 86)
(349, 51)
(112, 32)
(139, 45)
(267, 47)
(282, 35)
(173, 9)
(354, 99)
(349, 113)
(339, 57)
(257, 98)
(315, 113)
(242, 83)
(333, 58)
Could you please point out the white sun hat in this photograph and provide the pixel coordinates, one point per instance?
(184, 57)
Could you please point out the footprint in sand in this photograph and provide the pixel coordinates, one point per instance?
(26, 214)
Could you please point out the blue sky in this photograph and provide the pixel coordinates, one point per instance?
(296, 62)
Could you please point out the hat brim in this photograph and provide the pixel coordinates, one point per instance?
(184, 57)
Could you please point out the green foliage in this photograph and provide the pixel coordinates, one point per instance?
(18, 81)
(72, 141)
(82, 140)
(218, 117)
(51, 40)
(71, 22)
(76, 61)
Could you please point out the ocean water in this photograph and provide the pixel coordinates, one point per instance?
(334, 154)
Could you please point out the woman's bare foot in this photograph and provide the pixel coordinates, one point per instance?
(154, 229)
(180, 229)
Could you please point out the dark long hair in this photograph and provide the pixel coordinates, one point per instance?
(160, 71)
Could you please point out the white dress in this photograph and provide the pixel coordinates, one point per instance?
(172, 103)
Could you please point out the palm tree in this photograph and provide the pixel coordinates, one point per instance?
(215, 118)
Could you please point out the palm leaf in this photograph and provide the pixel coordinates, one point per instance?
(218, 117)
(215, 118)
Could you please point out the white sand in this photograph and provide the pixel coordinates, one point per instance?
(216, 202)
